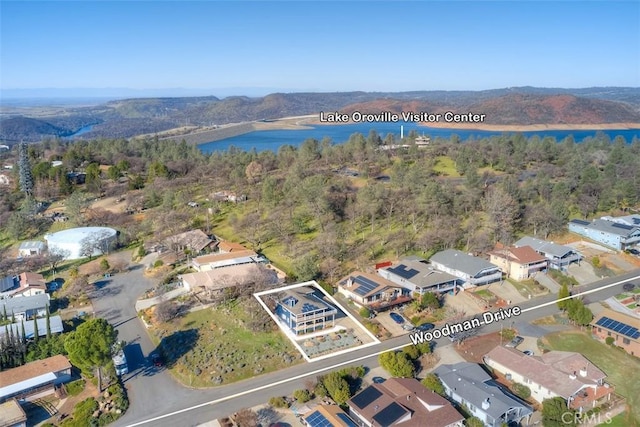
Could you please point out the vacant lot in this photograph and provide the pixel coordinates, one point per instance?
(216, 346)
(621, 368)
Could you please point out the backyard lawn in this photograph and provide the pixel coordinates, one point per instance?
(216, 346)
(621, 368)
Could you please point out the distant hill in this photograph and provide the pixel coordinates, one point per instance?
(509, 106)
(517, 109)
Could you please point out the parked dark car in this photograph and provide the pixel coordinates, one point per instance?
(425, 327)
(156, 359)
(397, 318)
(628, 287)
(516, 341)
(633, 251)
(378, 380)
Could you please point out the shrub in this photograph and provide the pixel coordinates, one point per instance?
(609, 340)
(278, 402)
(302, 395)
(595, 261)
(74, 388)
(521, 390)
(320, 390)
(432, 382)
(365, 313)
(158, 263)
(104, 264)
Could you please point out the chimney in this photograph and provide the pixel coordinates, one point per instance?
(572, 376)
(583, 372)
(486, 403)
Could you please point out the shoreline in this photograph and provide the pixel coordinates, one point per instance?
(207, 135)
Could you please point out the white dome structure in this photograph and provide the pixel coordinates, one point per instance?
(81, 242)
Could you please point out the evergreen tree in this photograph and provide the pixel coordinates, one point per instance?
(24, 332)
(36, 335)
(48, 320)
(26, 178)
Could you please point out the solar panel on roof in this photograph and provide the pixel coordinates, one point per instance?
(316, 419)
(390, 414)
(348, 421)
(619, 327)
(364, 398)
(623, 226)
(365, 285)
(579, 221)
(306, 307)
(402, 271)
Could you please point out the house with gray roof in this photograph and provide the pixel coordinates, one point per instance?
(25, 307)
(559, 256)
(372, 291)
(471, 270)
(418, 276)
(304, 310)
(611, 233)
(55, 324)
(470, 386)
(31, 248)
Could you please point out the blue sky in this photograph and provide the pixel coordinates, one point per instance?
(319, 46)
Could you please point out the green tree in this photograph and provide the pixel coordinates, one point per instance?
(48, 323)
(104, 264)
(521, 390)
(432, 382)
(36, 333)
(397, 364)
(92, 179)
(337, 387)
(24, 167)
(555, 413)
(302, 395)
(89, 346)
(364, 313)
(429, 300)
(563, 293)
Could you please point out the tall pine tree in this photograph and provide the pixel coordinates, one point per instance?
(48, 324)
(26, 177)
(36, 335)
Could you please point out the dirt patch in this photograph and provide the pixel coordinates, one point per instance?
(111, 204)
(473, 349)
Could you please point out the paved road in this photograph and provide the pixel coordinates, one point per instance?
(148, 387)
(149, 402)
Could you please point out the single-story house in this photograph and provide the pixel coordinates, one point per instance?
(418, 276)
(372, 291)
(402, 402)
(55, 324)
(34, 379)
(7, 284)
(25, 307)
(31, 248)
(472, 270)
(518, 263)
(616, 235)
(557, 373)
(12, 414)
(218, 259)
(229, 276)
(29, 284)
(624, 329)
(226, 246)
(470, 386)
(559, 256)
(328, 416)
(303, 310)
(194, 240)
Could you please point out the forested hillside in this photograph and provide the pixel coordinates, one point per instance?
(323, 209)
(509, 106)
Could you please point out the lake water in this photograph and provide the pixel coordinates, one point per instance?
(273, 139)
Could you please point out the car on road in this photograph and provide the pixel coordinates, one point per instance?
(397, 318)
(516, 341)
(156, 359)
(628, 287)
(633, 251)
(425, 327)
(378, 380)
(528, 352)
